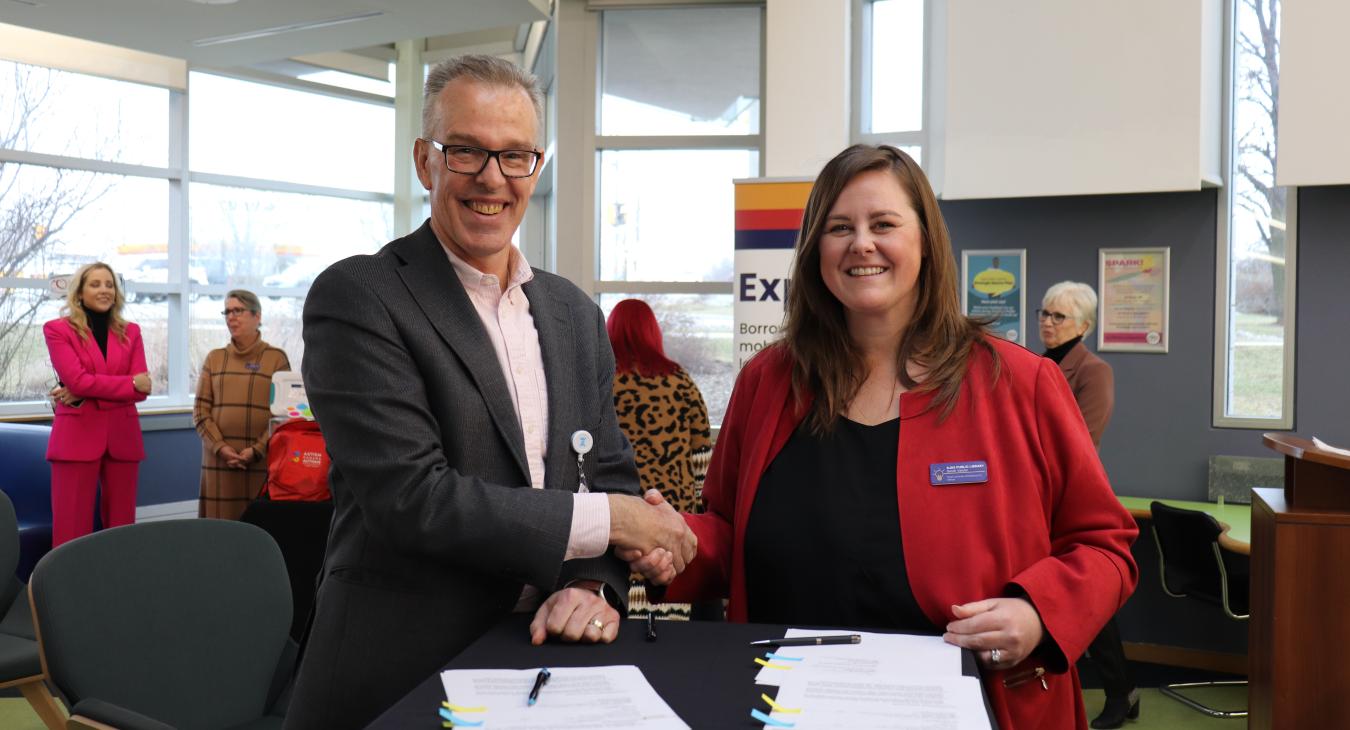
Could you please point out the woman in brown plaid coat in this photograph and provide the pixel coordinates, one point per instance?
(231, 412)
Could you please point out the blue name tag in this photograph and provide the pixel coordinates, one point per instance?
(252, 365)
(958, 472)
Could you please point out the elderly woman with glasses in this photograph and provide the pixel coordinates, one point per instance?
(1068, 313)
(231, 412)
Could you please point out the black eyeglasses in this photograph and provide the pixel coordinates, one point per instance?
(468, 160)
(1056, 317)
(234, 311)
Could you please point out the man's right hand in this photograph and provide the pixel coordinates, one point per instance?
(643, 527)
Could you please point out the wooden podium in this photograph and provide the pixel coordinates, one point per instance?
(1299, 632)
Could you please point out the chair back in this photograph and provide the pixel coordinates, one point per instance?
(26, 478)
(12, 620)
(184, 621)
(1185, 539)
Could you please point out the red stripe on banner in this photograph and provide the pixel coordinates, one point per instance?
(1126, 338)
(768, 220)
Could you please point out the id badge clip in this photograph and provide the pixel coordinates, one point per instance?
(582, 441)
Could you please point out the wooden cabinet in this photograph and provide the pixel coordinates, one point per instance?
(1299, 632)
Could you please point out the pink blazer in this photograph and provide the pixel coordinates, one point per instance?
(107, 420)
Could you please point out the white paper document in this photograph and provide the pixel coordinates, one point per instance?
(1319, 443)
(877, 655)
(574, 697)
(892, 703)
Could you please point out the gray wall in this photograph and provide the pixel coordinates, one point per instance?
(1160, 436)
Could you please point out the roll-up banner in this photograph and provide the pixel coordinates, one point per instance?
(768, 216)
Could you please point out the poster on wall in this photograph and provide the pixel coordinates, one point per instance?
(768, 215)
(993, 287)
(1134, 289)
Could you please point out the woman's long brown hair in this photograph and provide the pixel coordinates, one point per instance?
(74, 311)
(826, 363)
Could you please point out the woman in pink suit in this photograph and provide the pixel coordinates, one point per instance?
(96, 436)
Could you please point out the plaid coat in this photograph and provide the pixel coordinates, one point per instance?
(232, 409)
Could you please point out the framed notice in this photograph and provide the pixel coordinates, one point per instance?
(993, 287)
(1133, 287)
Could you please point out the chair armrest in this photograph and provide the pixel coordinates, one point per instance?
(99, 715)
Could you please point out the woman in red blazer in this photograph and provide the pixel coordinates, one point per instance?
(96, 435)
(945, 477)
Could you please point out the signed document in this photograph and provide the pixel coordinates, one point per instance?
(590, 697)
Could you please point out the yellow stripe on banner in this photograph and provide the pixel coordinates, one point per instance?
(772, 195)
(777, 707)
(771, 665)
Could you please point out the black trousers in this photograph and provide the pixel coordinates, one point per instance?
(1108, 656)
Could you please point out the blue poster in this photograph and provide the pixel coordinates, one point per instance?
(993, 288)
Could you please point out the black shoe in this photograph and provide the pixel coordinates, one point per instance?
(1116, 710)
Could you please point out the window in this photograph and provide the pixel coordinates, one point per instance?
(889, 98)
(679, 119)
(81, 180)
(1254, 321)
(278, 183)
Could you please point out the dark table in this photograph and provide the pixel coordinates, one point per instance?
(704, 670)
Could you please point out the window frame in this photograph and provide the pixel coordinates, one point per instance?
(861, 93)
(180, 289)
(1223, 283)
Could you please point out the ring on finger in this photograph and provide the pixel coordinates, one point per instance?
(994, 656)
(597, 623)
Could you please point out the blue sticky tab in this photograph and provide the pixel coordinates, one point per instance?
(771, 655)
(958, 472)
(458, 721)
(769, 721)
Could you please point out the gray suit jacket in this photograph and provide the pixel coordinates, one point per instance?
(435, 529)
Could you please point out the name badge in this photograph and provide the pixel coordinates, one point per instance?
(252, 365)
(958, 472)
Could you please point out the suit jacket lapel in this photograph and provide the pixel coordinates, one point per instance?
(432, 281)
(553, 321)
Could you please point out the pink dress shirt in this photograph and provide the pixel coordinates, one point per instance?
(510, 326)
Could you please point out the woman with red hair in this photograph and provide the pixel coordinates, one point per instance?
(662, 413)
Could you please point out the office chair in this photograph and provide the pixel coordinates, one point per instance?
(20, 664)
(179, 623)
(1192, 565)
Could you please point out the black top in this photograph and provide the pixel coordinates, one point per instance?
(98, 325)
(822, 546)
(1058, 353)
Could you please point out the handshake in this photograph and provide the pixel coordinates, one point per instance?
(650, 536)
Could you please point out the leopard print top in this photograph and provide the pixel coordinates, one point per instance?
(666, 421)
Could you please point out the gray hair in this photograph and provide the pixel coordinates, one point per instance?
(1080, 298)
(485, 69)
(249, 299)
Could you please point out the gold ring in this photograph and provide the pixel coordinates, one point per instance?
(597, 623)
(994, 656)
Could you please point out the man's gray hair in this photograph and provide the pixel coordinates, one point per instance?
(482, 68)
(1080, 298)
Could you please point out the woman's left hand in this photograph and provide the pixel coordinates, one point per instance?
(1009, 625)
(62, 393)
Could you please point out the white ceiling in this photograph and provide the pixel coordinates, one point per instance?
(169, 27)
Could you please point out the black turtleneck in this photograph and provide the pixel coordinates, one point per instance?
(98, 325)
(1058, 353)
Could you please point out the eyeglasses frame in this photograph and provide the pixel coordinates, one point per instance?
(491, 155)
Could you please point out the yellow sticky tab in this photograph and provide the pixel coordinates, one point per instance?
(457, 708)
(770, 665)
(777, 707)
(447, 724)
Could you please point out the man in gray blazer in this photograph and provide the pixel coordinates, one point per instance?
(466, 400)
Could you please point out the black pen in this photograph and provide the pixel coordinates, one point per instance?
(811, 640)
(651, 627)
(540, 680)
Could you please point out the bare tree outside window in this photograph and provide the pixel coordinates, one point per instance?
(36, 205)
(1258, 214)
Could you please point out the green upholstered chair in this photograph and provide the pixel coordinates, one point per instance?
(179, 623)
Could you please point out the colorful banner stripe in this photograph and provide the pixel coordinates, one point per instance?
(771, 219)
(773, 195)
(751, 240)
